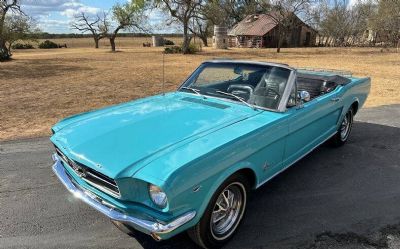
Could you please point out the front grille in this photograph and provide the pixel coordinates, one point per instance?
(94, 178)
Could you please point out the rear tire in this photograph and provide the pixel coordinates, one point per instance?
(340, 138)
(223, 214)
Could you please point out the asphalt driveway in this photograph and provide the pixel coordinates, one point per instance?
(334, 198)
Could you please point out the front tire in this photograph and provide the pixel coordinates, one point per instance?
(223, 214)
(340, 138)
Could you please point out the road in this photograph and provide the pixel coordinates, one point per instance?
(347, 197)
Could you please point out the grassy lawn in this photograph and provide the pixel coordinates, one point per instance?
(40, 87)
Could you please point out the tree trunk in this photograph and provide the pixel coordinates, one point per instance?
(4, 53)
(186, 41)
(326, 41)
(279, 45)
(398, 46)
(9, 49)
(278, 49)
(204, 40)
(96, 42)
(112, 42)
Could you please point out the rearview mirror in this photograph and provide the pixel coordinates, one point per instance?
(304, 96)
(238, 71)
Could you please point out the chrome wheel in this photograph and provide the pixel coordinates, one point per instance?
(346, 126)
(228, 211)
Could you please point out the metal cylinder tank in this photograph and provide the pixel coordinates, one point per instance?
(158, 41)
(220, 38)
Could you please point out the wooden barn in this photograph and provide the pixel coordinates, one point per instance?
(261, 31)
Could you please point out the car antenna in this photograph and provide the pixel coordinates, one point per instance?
(163, 75)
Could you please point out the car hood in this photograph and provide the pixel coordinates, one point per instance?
(116, 141)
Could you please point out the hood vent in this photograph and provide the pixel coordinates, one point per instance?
(203, 102)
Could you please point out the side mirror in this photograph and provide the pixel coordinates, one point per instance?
(304, 96)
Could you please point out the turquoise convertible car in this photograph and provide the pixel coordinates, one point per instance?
(187, 160)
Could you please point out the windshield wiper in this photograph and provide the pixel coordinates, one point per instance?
(238, 98)
(196, 91)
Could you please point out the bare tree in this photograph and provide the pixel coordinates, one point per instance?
(127, 16)
(202, 28)
(18, 28)
(341, 25)
(98, 26)
(386, 22)
(337, 23)
(284, 13)
(7, 6)
(183, 12)
(230, 12)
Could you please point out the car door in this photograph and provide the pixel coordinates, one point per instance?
(310, 124)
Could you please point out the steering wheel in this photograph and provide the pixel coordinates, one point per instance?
(244, 91)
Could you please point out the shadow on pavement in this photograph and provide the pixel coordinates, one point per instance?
(354, 188)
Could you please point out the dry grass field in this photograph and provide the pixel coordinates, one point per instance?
(40, 87)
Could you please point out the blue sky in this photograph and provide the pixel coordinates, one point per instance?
(55, 16)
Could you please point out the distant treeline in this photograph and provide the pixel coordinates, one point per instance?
(45, 35)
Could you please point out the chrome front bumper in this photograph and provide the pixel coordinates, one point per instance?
(150, 227)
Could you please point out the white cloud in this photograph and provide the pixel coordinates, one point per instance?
(71, 12)
(65, 7)
(55, 15)
(351, 3)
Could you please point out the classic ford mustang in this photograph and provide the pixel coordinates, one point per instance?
(186, 160)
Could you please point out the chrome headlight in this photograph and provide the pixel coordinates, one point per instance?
(158, 196)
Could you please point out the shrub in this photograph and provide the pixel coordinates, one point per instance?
(173, 50)
(193, 48)
(22, 46)
(168, 42)
(48, 44)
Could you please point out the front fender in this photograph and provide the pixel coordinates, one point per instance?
(202, 197)
(220, 179)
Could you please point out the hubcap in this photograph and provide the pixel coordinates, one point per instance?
(228, 211)
(345, 127)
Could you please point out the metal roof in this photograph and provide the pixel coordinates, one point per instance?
(254, 25)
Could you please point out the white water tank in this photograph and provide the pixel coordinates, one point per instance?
(220, 38)
(158, 41)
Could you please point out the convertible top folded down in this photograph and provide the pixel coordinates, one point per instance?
(336, 79)
(318, 84)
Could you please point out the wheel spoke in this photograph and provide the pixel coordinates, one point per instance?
(215, 212)
(231, 200)
(227, 210)
(216, 218)
(221, 208)
(226, 197)
(345, 126)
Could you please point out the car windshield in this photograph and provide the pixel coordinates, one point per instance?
(257, 85)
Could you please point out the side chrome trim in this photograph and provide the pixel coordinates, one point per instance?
(150, 227)
(298, 159)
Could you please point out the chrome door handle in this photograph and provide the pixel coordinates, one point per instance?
(335, 99)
